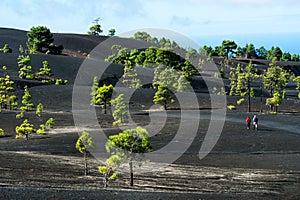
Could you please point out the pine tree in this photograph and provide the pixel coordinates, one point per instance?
(94, 89)
(27, 104)
(84, 145)
(130, 77)
(129, 143)
(21, 49)
(7, 98)
(120, 113)
(163, 95)
(39, 110)
(25, 129)
(103, 96)
(49, 123)
(109, 169)
(275, 80)
(25, 71)
(2, 132)
(45, 73)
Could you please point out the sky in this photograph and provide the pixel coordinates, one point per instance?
(207, 22)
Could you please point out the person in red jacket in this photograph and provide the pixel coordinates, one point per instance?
(248, 122)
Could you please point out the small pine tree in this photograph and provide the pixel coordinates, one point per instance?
(112, 32)
(45, 73)
(297, 80)
(27, 105)
(13, 104)
(20, 115)
(25, 129)
(130, 77)
(50, 123)
(109, 169)
(163, 95)
(85, 144)
(103, 96)
(120, 113)
(128, 144)
(39, 110)
(6, 49)
(21, 49)
(41, 130)
(6, 89)
(61, 81)
(26, 72)
(23, 60)
(94, 89)
(2, 132)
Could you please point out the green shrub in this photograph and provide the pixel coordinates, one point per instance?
(240, 101)
(50, 123)
(231, 107)
(61, 82)
(41, 130)
(1, 132)
(20, 115)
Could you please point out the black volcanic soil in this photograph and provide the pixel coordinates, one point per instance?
(244, 164)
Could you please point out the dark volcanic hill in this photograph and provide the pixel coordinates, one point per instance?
(78, 47)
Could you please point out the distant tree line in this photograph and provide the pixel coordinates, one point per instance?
(229, 48)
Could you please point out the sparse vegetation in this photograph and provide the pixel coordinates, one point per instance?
(6, 49)
(84, 145)
(41, 130)
(120, 113)
(39, 110)
(2, 132)
(27, 104)
(275, 80)
(103, 96)
(25, 129)
(7, 98)
(128, 145)
(109, 170)
(61, 82)
(45, 73)
(231, 107)
(50, 123)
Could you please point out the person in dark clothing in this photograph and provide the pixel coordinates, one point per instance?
(255, 122)
(248, 122)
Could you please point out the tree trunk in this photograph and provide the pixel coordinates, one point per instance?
(105, 107)
(85, 164)
(131, 173)
(26, 136)
(105, 181)
(261, 105)
(249, 97)
(261, 101)
(165, 105)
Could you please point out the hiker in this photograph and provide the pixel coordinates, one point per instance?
(255, 122)
(248, 122)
